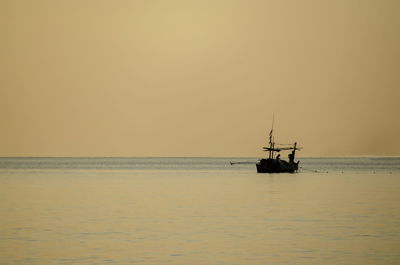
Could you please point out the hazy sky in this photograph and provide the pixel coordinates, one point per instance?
(198, 78)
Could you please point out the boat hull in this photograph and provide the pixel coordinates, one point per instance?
(276, 166)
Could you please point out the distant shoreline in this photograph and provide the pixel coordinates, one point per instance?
(200, 157)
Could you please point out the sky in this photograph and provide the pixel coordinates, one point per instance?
(199, 78)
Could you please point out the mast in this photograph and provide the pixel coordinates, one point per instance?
(271, 143)
(294, 149)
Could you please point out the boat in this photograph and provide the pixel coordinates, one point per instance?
(273, 164)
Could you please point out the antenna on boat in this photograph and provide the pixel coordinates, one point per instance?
(271, 140)
(273, 119)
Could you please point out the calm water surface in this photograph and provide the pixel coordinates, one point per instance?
(198, 211)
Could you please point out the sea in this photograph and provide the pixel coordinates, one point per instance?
(201, 211)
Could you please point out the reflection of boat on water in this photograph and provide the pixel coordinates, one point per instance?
(273, 164)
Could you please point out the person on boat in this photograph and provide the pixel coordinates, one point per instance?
(291, 158)
(278, 163)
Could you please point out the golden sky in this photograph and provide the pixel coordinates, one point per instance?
(198, 78)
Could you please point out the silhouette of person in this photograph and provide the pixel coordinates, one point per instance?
(291, 158)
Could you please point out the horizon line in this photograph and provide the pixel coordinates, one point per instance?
(323, 156)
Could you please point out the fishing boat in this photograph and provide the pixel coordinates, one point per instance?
(274, 164)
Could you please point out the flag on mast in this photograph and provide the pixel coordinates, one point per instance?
(272, 128)
(270, 136)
